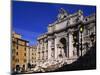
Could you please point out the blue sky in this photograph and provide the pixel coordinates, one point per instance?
(30, 19)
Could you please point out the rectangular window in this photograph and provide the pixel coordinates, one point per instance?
(17, 60)
(24, 54)
(16, 53)
(17, 46)
(24, 60)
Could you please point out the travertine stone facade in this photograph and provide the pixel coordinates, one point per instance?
(58, 41)
(42, 49)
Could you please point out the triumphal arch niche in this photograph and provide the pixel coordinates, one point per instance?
(64, 38)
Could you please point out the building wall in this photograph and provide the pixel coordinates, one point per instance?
(19, 53)
(32, 54)
(42, 49)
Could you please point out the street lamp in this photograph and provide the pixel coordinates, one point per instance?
(81, 31)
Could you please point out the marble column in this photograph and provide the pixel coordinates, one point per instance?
(49, 48)
(56, 47)
(70, 45)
